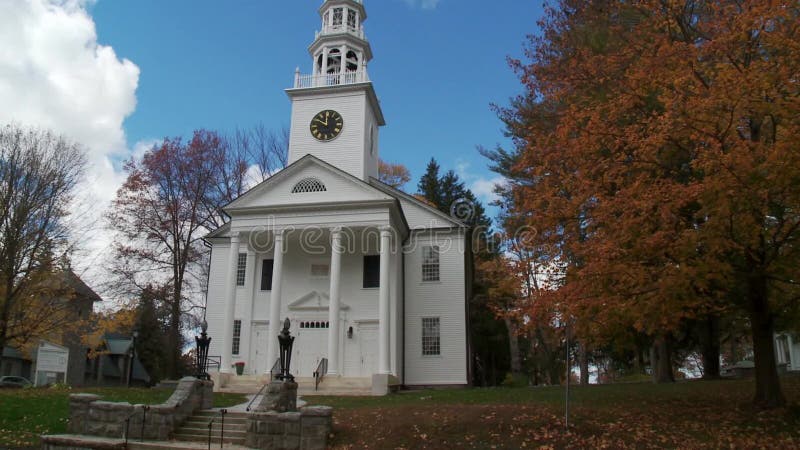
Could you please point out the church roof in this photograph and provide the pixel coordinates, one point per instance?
(397, 193)
(375, 193)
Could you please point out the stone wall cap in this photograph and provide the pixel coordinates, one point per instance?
(316, 411)
(111, 405)
(289, 417)
(98, 443)
(263, 414)
(84, 397)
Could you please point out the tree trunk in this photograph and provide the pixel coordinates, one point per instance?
(709, 340)
(661, 360)
(583, 361)
(768, 384)
(175, 341)
(513, 346)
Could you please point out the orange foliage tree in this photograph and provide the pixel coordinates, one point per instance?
(658, 158)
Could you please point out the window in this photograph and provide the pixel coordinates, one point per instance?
(372, 271)
(237, 336)
(351, 19)
(266, 275)
(309, 185)
(241, 269)
(430, 264)
(320, 270)
(431, 341)
(315, 325)
(338, 15)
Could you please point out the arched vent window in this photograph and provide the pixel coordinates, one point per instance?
(308, 185)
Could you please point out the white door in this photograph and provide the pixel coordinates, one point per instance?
(310, 346)
(258, 345)
(368, 347)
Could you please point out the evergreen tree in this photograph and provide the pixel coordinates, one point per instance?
(152, 325)
(429, 187)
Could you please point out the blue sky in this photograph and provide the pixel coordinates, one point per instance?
(437, 67)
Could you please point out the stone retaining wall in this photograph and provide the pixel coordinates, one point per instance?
(88, 415)
(307, 429)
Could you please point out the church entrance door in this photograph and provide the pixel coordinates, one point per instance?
(310, 347)
(368, 347)
(259, 345)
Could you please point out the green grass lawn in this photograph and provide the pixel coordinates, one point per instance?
(27, 413)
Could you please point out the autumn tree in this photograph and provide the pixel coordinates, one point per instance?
(394, 174)
(39, 172)
(172, 197)
(656, 143)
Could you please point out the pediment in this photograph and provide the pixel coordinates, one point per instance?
(314, 301)
(308, 181)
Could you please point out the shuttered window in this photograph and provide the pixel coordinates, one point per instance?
(266, 275)
(372, 271)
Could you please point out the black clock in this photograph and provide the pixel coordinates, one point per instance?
(326, 125)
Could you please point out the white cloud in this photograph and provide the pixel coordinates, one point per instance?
(422, 4)
(483, 188)
(55, 75)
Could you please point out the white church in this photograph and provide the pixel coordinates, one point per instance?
(374, 282)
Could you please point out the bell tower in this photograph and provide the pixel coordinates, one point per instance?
(335, 111)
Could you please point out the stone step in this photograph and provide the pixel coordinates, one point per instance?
(214, 433)
(202, 423)
(180, 445)
(191, 429)
(214, 439)
(216, 413)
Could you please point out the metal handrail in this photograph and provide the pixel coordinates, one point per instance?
(255, 397)
(125, 432)
(144, 419)
(210, 425)
(214, 361)
(319, 374)
(276, 370)
(222, 413)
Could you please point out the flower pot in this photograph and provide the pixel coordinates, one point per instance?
(239, 368)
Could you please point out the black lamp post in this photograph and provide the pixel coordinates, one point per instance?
(201, 356)
(132, 354)
(286, 340)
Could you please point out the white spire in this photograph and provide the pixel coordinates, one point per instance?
(340, 50)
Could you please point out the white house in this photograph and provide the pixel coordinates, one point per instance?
(787, 351)
(374, 281)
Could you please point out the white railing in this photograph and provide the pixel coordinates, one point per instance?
(336, 29)
(312, 81)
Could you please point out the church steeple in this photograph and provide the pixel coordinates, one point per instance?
(340, 51)
(335, 112)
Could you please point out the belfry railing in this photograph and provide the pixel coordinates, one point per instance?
(330, 79)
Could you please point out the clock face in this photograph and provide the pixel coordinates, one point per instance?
(326, 125)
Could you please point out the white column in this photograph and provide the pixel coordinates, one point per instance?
(275, 301)
(383, 303)
(343, 65)
(230, 306)
(333, 309)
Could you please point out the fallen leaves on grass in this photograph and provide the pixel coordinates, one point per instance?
(719, 417)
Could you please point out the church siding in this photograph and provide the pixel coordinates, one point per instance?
(345, 151)
(443, 299)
